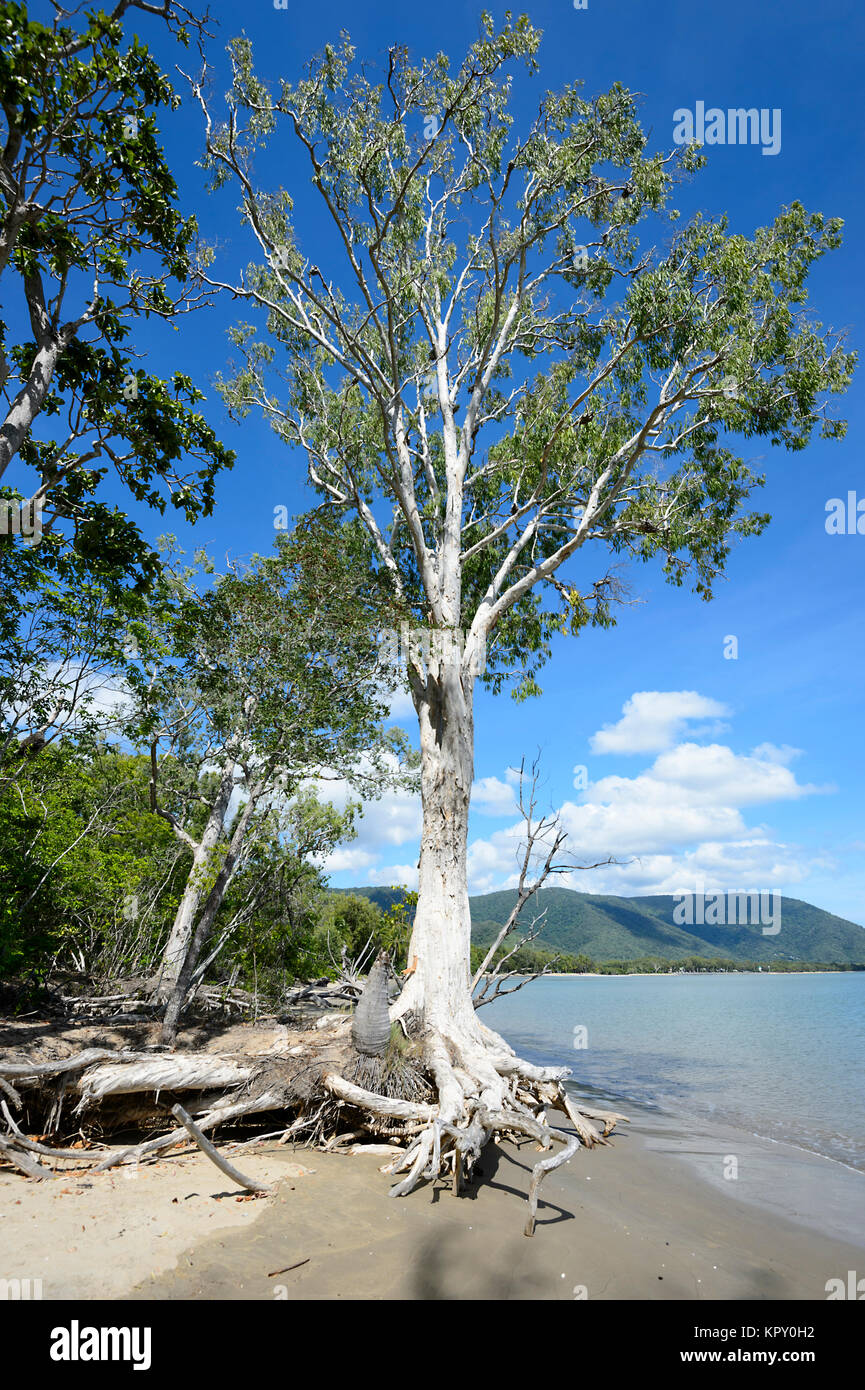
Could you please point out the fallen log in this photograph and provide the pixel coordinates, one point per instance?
(32, 1071)
(217, 1116)
(161, 1072)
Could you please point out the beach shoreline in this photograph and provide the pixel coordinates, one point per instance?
(648, 1217)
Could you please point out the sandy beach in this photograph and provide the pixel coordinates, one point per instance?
(648, 1217)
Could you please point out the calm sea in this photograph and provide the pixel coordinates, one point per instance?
(782, 1056)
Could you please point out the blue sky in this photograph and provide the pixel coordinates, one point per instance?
(738, 774)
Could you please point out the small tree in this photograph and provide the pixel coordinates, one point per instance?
(268, 919)
(484, 365)
(542, 858)
(268, 679)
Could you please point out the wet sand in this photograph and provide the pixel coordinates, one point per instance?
(651, 1216)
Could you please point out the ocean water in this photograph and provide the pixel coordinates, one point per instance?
(781, 1056)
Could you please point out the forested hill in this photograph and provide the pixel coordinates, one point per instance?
(610, 928)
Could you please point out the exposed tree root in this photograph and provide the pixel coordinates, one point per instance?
(433, 1101)
(481, 1092)
(215, 1156)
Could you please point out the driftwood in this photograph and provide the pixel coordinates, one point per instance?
(19, 1141)
(421, 1102)
(32, 1071)
(9, 1091)
(161, 1072)
(215, 1117)
(215, 1156)
(23, 1161)
(423, 1143)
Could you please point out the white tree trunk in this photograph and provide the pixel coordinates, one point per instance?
(197, 888)
(200, 930)
(464, 1055)
(440, 941)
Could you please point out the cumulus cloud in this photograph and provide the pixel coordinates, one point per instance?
(685, 818)
(492, 797)
(678, 821)
(755, 862)
(714, 773)
(692, 792)
(345, 858)
(388, 822)
(395, 876)
(654, 719)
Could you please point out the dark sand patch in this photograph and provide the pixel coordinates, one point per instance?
(626, 1222)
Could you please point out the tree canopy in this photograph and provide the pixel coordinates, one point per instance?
(486, 361)
(93, 243)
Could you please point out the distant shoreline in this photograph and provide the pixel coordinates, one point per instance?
(666, 974)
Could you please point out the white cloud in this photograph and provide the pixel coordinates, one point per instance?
(397, 875)
(683, 819)
(677, 822)
(388, 822)
(401, 709)
(773, 753)
(494, 862)
(493, 797)
(691, 794)
(653, 719)
(714, 773)
(342, 859)
(643, 817)
(752, 863)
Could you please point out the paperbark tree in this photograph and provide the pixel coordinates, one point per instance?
(478, 358)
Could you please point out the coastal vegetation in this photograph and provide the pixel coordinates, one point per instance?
(508, 368)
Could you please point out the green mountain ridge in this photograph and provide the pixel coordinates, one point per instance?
(609, 928)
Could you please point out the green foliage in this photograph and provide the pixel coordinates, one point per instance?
(608, 928)
(534, 370)
(255, 681)
(82, 863)
(354, 921)
(278, 658)
(90, 877)
(90, 201)
(64, 638)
